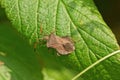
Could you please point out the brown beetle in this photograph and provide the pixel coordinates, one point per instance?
(63, 45)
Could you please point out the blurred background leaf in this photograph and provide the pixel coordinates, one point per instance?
(21, 62)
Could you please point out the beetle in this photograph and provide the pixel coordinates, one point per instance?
(63, 45)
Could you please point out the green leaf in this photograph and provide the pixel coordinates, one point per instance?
(94, 64)
(2, 13)
(16, 62)
(4, 72)
(79, 19)
(57, 74)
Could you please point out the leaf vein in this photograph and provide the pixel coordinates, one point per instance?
(20, 19)
(88, 18)
(76, 29)
(56, 15)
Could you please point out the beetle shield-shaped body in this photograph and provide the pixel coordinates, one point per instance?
(63, 45)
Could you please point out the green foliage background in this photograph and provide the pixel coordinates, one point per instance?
(78, 19)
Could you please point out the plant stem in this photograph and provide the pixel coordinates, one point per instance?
(94, 64)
